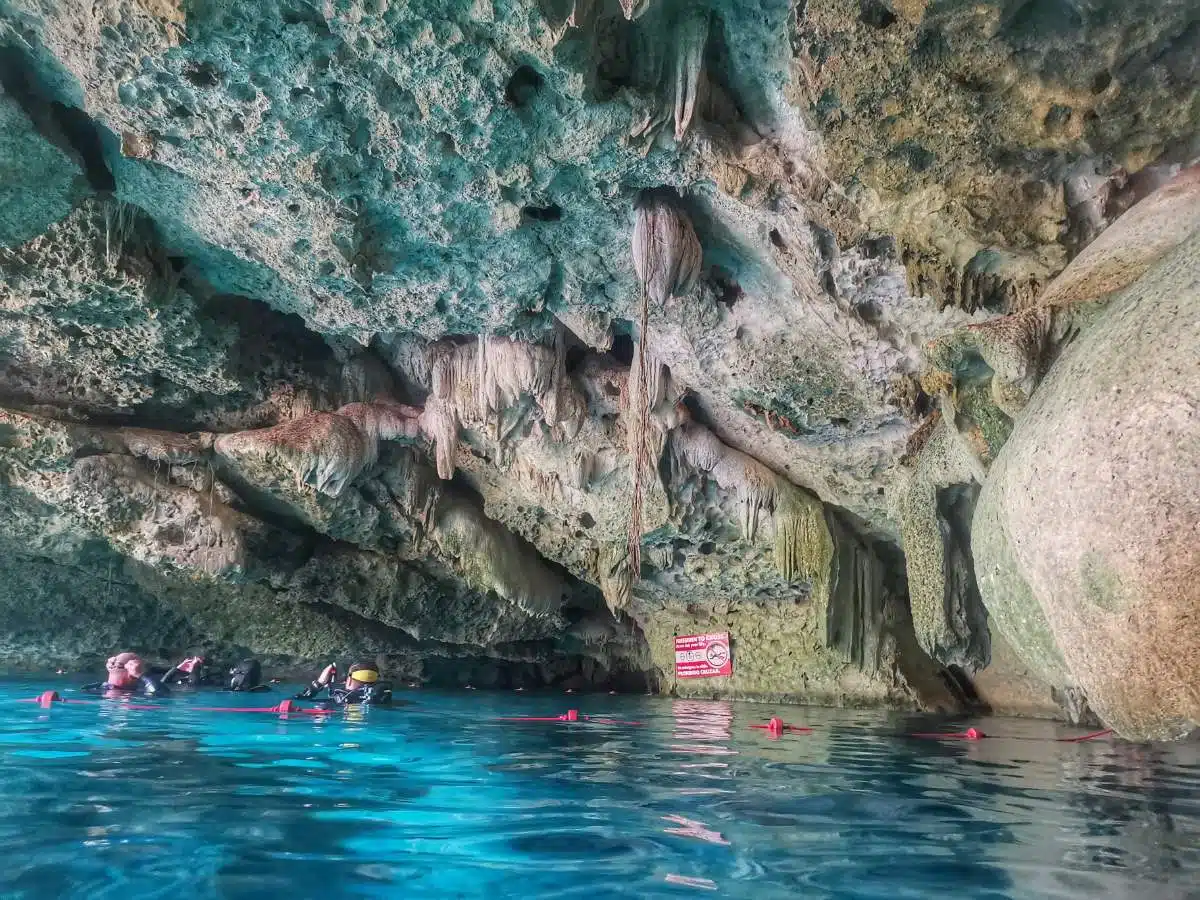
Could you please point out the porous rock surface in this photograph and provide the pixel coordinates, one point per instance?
(505, 341)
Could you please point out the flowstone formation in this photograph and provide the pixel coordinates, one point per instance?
(508, 341)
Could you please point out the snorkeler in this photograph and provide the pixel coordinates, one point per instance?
(362, 685)
(247, 676)
(127, 674)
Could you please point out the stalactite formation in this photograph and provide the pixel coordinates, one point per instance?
(666, 258)
(803, 547)
(326, 451)
(479, 383)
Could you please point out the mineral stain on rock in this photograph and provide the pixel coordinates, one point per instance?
(507, 342)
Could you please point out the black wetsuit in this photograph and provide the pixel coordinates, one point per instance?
(147, 685)
(198, 677)
(246, 677)
(370, 695)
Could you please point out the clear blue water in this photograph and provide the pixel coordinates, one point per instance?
(437, 799)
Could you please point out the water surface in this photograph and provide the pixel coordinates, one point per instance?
(441, 799)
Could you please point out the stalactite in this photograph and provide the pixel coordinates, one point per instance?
(666, 252)
(803, 548)
(615, 576)
(691, 35)
(803, 545)
(482, 381)
(666, 258)
(638, 429)
(326, 450)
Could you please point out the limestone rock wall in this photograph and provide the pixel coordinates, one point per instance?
(507, 340)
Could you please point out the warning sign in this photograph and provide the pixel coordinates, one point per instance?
(703, 655)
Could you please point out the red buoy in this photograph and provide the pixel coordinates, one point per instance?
(286, 706)
(48, 697)
(776, 728)
(571, 716)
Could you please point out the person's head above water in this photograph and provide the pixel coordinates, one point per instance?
(361, 675)
(125, 668)
(245, 676)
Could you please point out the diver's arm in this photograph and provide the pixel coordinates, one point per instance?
(151, 686)
(328, 674)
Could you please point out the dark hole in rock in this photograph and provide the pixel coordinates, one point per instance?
(327, 268)
(777, 239)
(49, 116)
(236, 125)
(882, 247)
(838, 420)
(586, 520)
(707, 548)
(576, 355)
(1037, 18)
(293, 207)
(622, 349)
(918, 158)
(551, 213)
(83, 135)
(524, 83)
(1091, 116)
(177, 263)
(728, 290)
(876, 13)
(202, 75)
(1057, 117)
(1101, 82)
(869, 311)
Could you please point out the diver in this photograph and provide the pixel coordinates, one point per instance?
(127, 674)
(362, 686)
(247, 676)
(192, 672)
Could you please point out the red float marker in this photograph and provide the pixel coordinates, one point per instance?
(571, 715)
(974, 734)
(48, 698)
(776, 727)
(971, 734)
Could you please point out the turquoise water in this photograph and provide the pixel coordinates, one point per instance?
(438, 799)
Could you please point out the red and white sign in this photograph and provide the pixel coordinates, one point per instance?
(703, 655)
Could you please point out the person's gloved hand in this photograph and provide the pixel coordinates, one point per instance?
(190, 663)
(328, 674)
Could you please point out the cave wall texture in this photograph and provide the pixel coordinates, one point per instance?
(504, 340)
